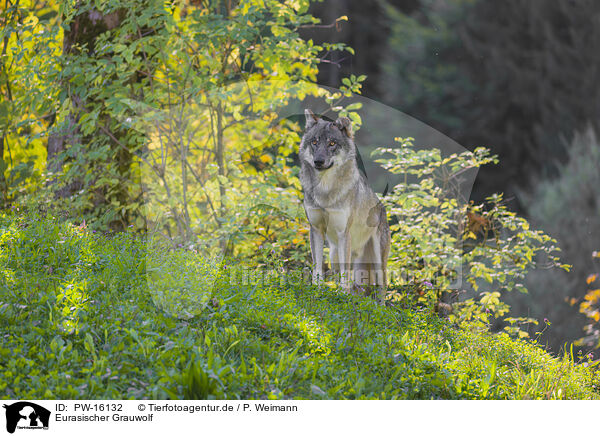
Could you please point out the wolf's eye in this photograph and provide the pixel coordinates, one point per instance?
(314, 142)
(331, 143)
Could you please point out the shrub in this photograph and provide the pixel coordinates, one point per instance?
(440, 241)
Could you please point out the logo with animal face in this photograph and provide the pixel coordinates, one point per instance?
(26, 415)
(326, 143)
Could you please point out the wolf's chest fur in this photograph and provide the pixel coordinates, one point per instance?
(337, 206)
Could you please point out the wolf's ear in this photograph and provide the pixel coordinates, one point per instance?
(344, 124)
(311, 118)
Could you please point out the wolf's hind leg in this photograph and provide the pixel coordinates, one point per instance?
(378, 269)
(361, 267)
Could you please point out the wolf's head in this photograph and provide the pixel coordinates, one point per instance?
(326, 144)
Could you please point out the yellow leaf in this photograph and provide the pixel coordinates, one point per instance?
(593, 295)
(30, 20)
(591, 278)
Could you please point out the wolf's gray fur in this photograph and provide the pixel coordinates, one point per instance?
(341, 207)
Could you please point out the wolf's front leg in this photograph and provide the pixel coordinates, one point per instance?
(333, 258)
(316, 249)
(345, 263)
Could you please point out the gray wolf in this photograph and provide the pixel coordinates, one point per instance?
(341, 208)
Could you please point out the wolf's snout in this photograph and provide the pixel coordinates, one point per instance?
(321, 164)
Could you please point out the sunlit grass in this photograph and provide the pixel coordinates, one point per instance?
(95, 316)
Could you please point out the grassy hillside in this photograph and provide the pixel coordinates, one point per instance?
(78, 319)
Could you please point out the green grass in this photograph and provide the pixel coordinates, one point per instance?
(79, 319)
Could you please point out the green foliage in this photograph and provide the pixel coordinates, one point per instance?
(171, 97)
(29, 47)
(179, 284)
(440, 241)
(117, 48)
(217, 169)
(259, 340)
